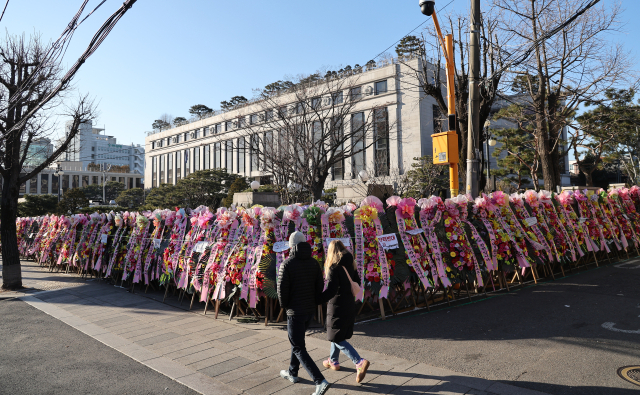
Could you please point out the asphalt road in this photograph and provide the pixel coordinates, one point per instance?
(548, 337)
(41, 355)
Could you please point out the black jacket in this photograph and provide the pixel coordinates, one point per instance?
(300, 281)
(341, 307)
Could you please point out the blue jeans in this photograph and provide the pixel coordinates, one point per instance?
(296, 327)
(347, 349)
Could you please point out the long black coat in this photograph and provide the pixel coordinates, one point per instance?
(341, 309)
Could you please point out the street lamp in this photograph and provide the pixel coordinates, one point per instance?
(255, 185)
(59, 173)
(489, 142)
(364, 176)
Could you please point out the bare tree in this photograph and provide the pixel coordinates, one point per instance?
(571, 63)
(432, 81)
(32, 88)
(304, 134)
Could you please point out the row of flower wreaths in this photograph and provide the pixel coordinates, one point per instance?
(240, 250)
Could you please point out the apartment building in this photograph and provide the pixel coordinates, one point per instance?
(91, 146)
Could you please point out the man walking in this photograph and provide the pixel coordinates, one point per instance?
(299, 287)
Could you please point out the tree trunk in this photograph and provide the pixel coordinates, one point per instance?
(546, 159)
(11, 271)
(589, 178)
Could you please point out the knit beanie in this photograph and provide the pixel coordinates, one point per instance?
(295, 238)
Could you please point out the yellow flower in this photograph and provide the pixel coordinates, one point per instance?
(408, 261)
(453, 254)
(448, 269)
(448, 234)
(371, 245)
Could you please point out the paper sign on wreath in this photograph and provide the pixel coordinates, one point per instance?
(388, 241)
(280, 246)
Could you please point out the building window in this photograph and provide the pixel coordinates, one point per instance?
(196, 159)
(75, 181)
(206, 157)
(268, 150)
(153, 145)
(55, 183)
(154, 174)
(356, 93)
(253, 119)
(338, 134)
(229, 156)
(228, 126)
(44, 183)
(178, 166)
(94, 180)
(269, 115)
(162, 164)
(33, 186)
(282, 112)
(218, 128)
(170, 169)
(253, 153)
(205, 132)
(337, 98)
(357, 140)
(241, 154)
(381, 87)
(187, 160)
(93, 148)
(241, 122)
(315, 103)
(64, 185)
(381, 134)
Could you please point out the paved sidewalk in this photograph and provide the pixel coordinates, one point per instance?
(225, 357)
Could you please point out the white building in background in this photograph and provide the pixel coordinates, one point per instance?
(75, 175)
(90, 146)
(221, 141)
(218, 141)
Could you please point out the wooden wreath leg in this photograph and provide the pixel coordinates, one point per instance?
(192, 299)
(466, 286)
(381, 308)
(595, 258)
(280, 315)
(362, 306)
(533, 272)
(233, 307)
(217, 308)
(206, 305)
(390, 307)
(146, 288)
(562, 269)
(165, 292)
(506, 283)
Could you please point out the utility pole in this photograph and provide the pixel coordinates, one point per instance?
(474, 100)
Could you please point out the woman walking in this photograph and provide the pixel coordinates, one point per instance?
(340, 270)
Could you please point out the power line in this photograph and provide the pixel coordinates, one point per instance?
(4, 9)
(414, 29)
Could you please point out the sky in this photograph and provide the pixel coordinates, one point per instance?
(165, 56)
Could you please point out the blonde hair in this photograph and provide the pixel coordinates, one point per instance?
(334, 254)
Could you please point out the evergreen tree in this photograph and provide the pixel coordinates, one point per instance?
(409, 45)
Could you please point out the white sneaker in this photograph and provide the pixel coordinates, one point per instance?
(286, 375)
